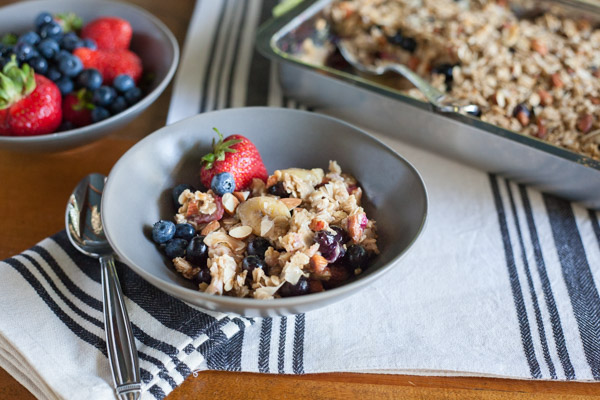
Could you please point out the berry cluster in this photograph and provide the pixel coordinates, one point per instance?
(92, 80)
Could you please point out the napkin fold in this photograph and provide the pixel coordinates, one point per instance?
(502, 282)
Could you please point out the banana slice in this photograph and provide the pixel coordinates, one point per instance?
(312, 176)
(252, 211)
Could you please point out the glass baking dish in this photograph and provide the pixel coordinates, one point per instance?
(342, 92)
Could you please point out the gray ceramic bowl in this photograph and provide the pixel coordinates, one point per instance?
(152, 41)
(138, 193)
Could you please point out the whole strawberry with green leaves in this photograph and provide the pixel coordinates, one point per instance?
(238, 156)
(30, 104)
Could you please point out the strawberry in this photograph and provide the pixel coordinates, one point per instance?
(30, 104)
(234, 154)
(77, 108)
(109, 33)
(111, 63)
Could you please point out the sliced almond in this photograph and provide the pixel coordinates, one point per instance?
(230, 203)
(241, 196)
(271, 180)
(546, 98)
(318, 264)
(211, 227)
(557, 81)
(291, 202)
(192, 209)
(241, 232)
(539, 46)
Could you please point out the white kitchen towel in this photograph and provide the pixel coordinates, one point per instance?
(502, 282)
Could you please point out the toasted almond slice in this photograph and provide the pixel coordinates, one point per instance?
(230, 203)
(291, 202)
(241, 196)
(211, 227)
(240, 232)
(318, 263)
(271, 180)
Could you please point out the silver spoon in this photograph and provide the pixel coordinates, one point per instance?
(84, 229)
(439, 100)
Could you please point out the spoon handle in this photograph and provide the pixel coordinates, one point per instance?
(122, 353)
(433, 95)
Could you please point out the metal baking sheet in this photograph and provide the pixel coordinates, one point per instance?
(345, 94)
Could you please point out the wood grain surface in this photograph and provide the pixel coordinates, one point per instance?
(28, 219)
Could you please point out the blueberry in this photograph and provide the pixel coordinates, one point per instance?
(357, 256)
(99, 114)
(5, 50)
(103, 96)
(476, 113)
(203, 276)
(66, 126)
(65, 85)
(278, 189)
(48, 48)
(341, 236)
(197, 251)
(118, 105)
(301, 287)
(30, 37)
(396, 39)
(90, 79)
(43, 18)
(176, 248)
(123, 83)
(222, 183)
(329, 247)
(163, 231)
(62, 54)
(177, 190)
(24, 51)
(53, 73)
(90, 44)
(39, 65)
(521, 108)
(409, 44)
(250, 263)
(133, 95)
(446, 70)
(50, 30)
(70, 66)
(258, 246)
(70, 41)
(184, 231)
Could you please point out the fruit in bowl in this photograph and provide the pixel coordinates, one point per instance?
(87, 68)
(250, 234)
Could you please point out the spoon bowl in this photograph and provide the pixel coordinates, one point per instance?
(86, 233)
(440, 101)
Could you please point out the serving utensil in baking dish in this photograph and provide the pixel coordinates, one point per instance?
(440, 101)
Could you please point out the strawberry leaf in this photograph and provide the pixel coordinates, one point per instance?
(15, 83)
(69, 21)
(219, 150)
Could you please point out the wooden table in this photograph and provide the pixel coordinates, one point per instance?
(29, 219)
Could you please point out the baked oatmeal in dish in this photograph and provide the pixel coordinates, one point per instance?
(298, 231)
(538, 76)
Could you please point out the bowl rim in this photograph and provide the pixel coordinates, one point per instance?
(137, 107)
(259, 304)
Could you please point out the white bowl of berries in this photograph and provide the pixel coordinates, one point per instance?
(283, 211)
(74, 71)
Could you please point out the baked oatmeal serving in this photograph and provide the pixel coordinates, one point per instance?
(250, 234)
(538, 76)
